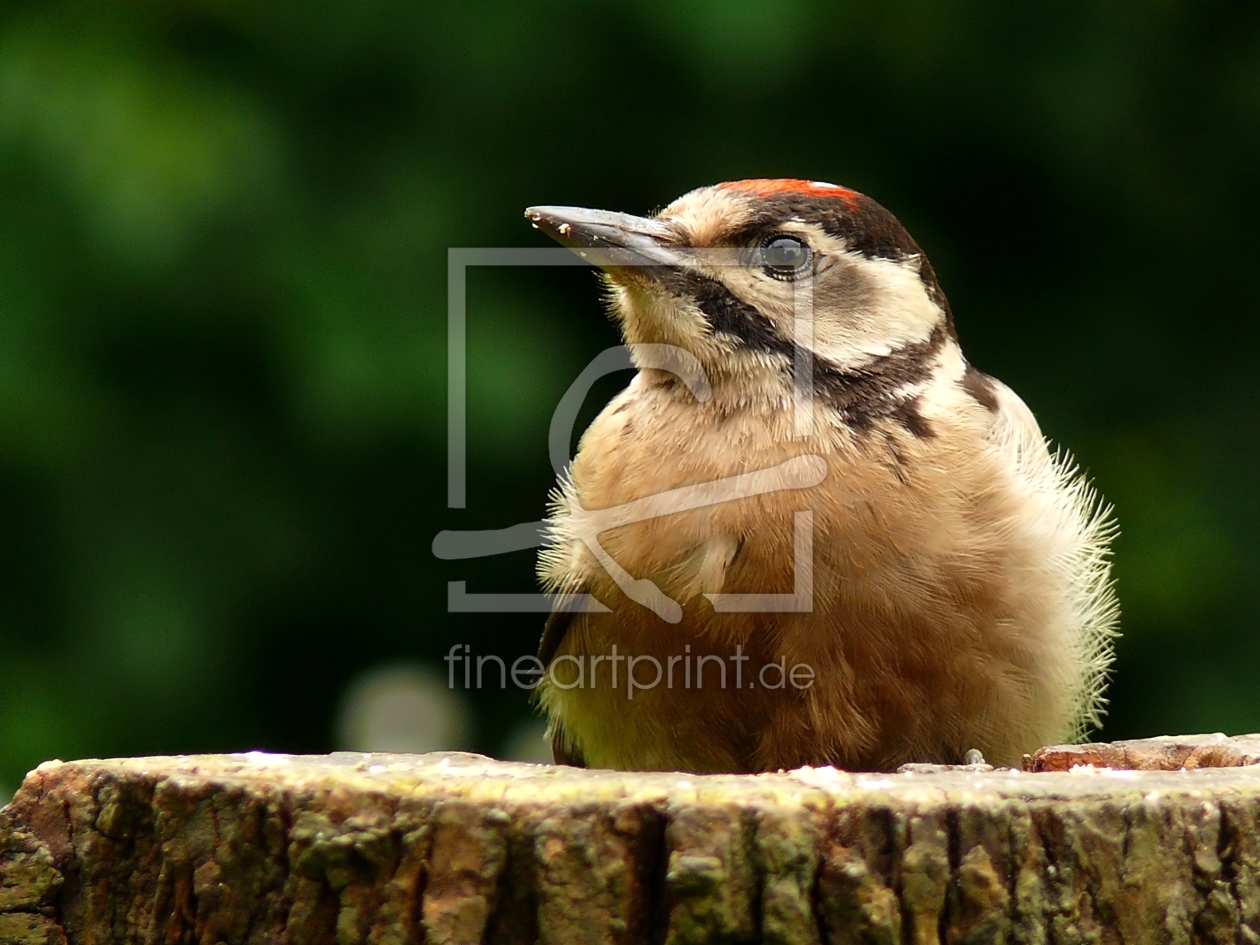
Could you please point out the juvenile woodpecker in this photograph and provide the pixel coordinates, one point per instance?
(819, 535)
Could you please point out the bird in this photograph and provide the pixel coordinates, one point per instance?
(814, 534)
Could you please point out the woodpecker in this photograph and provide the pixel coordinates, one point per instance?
(806, 478)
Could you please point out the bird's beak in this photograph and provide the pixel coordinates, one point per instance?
(608, 239)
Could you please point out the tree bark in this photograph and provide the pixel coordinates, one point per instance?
(455, 848)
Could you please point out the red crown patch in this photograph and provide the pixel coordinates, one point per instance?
(775, 186)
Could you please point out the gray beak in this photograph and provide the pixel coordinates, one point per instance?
(608, 239)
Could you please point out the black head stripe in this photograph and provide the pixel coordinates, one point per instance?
(876, 391)
(726, 313)
(861, 395)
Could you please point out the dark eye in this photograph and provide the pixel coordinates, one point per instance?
(785, 257)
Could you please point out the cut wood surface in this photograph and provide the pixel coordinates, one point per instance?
(456, 848)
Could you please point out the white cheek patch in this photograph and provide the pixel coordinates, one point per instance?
(893, 311)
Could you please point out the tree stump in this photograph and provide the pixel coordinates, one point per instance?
(455, 848)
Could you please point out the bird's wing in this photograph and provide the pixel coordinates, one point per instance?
(553, 635)
(562, 750)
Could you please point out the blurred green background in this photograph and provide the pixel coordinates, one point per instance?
(223, 234)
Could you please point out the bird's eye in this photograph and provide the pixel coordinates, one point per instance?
(785, 257)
